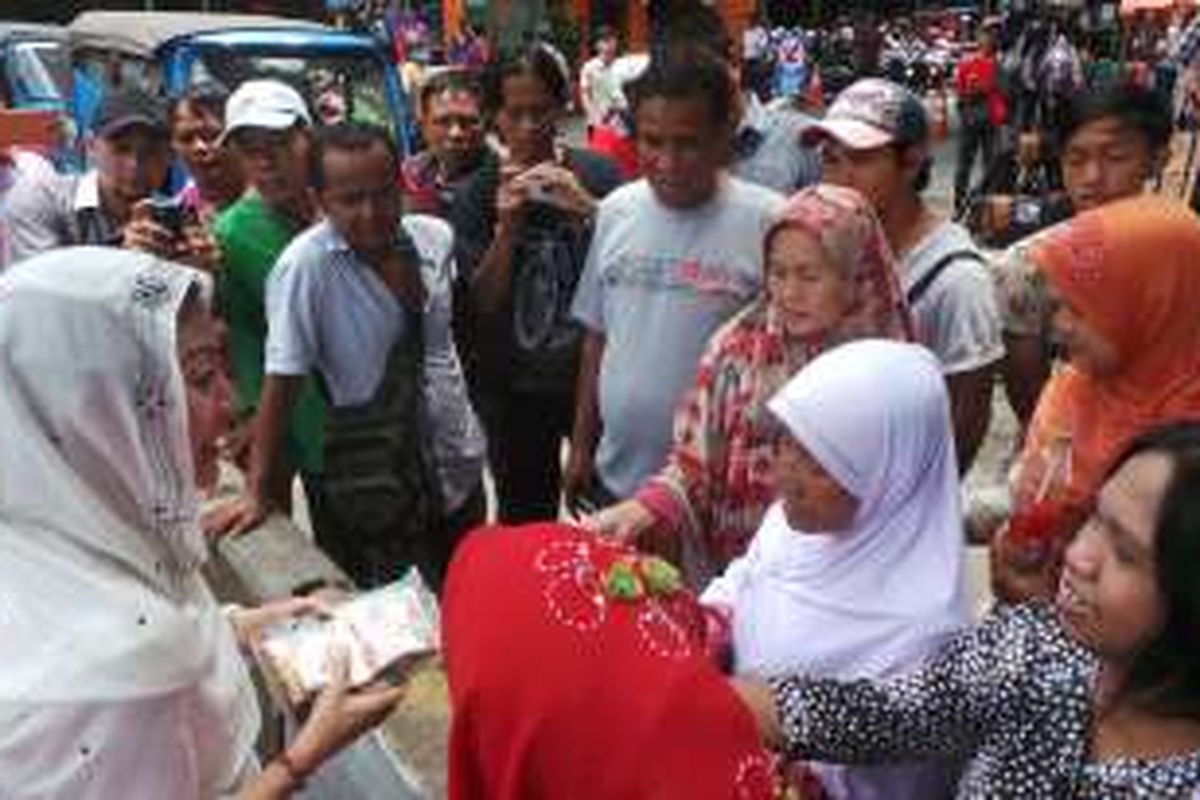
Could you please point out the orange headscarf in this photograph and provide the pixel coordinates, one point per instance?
(1131, 270)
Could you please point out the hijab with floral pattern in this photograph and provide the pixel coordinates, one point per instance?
(854, 243)
(590, 679)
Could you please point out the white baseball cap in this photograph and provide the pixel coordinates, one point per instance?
(264, 104)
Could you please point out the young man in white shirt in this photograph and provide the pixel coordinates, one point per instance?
(875, 139)
(598, 88)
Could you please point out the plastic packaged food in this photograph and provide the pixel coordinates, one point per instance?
(385, 632)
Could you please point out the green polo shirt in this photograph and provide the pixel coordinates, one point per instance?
(252, 236)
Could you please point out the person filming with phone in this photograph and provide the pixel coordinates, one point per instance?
(523, 228)
(115, 203)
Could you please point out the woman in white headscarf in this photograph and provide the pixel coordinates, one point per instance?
(856, 571)
(121, 676)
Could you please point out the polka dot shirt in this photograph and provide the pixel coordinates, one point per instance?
(1011, 697)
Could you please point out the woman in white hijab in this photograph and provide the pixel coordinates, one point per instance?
(121, 677)
(857, 571)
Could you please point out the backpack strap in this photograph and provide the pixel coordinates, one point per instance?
(921, 287)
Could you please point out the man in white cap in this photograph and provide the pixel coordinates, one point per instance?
(268, 125)
(875, 139)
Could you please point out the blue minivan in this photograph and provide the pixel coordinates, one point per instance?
(342, 75)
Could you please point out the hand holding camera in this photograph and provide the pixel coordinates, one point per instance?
(547, 184)
(555, 185)
(165, 227)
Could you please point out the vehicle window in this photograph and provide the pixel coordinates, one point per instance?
(40, 71)
(110, 70)
(336, 88)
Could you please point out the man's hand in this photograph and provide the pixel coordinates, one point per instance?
(236, 517)
(511, 198)
(238, 444)
(143, 233)
(577, 477)
(198, 248)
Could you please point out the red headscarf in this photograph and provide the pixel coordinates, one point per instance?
(561, 690)
(1131, 270)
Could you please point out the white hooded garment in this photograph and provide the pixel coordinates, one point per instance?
(121, 677)
(875, 600)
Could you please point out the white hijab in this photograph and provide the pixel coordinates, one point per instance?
(876, 599)
(100, 593)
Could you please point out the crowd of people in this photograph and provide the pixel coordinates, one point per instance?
(768, 360)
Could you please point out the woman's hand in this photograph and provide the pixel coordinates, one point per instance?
(558, 187)
(340, 715)
(1018, 580)
(760, 701)
(627, 521)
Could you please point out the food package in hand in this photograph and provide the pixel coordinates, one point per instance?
(383, 631)
(1032, 531)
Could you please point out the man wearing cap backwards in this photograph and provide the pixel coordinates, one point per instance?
(875, 139)
(268, 126)
(108, 205)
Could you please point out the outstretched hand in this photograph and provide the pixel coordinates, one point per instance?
(340, 714)
(235, 517)
(760, 702)
(626, 521)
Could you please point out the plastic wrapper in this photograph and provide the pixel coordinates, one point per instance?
(385, 632)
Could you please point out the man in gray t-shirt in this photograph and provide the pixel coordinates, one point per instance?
(672, 257)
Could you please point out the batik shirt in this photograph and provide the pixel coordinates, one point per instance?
(1013, 696)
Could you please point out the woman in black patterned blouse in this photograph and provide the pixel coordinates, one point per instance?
(1097, 696)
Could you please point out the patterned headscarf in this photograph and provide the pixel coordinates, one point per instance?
(854, 243)
(101, 597)
(590, 678)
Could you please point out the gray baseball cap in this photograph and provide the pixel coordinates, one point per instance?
(872, 113)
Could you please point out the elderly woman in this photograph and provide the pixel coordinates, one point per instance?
(831, 279)
(857, 568)
(1097, 695)
(122, 677)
